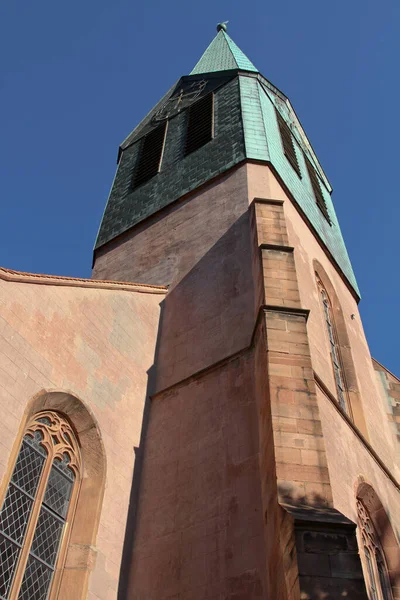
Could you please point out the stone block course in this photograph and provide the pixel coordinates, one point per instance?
(295, 417)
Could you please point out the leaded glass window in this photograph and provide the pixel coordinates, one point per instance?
(383, 576)
(334, 349)
(377, 575)
(36, 508)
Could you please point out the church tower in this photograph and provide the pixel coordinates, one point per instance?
(268, 433)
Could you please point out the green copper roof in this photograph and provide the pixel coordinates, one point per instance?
(222, 55)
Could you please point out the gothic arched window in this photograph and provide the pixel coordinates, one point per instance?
(377, 575)
(334, 348)
(39, 502)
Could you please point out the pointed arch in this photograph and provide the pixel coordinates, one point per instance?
(77, 552)
(381, 550)
(347, 370)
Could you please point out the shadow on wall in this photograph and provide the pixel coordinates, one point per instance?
(132, 518)
(326, 550)
(206, 317)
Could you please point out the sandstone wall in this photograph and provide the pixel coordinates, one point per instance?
(349, 458)
(96, 345)
(200, 525)
(201, 249)
(200, 528)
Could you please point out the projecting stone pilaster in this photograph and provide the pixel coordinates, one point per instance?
(303, 487)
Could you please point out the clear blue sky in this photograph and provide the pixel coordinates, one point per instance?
(77, 76)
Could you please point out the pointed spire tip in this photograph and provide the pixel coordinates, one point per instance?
(222, 55)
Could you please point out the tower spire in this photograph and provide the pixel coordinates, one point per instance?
(223, 55)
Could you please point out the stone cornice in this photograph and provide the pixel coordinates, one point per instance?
(21, 277)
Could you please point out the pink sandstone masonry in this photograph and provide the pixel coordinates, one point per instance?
(207, 249)
(218, 464)
(96, 345)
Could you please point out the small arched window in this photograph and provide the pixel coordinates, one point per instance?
(39, 502)
(377, 574)
(334, 348)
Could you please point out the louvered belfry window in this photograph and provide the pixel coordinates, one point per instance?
(316, 186)
(200, 124)
(288, 144)
(39, 502)
(151, 151)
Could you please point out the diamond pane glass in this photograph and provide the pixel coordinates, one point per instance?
(36, 581)
(15, 525)
(47, 536)
(28, 468)
(9, 557)
(64, 466)
(15, 514)
(58, 491)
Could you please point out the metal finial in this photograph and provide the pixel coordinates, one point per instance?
(223, 26)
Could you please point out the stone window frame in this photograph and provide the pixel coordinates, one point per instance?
(353, 397)
(381, 532)
(339, 373)
(50, 438)
(378, 582)
(80, 547)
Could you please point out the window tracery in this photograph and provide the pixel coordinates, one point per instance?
(378, 579)
(39, 502)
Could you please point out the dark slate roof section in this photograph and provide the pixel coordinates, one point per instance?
(214, 81)
(179, 174)
(138, 131)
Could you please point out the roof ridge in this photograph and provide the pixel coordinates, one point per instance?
(38, 278)
(228, 39)
(233, 47)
